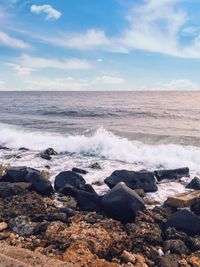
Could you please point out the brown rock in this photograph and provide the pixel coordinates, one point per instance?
(175, 246)
(170, 260)
(184, 200)
(128, 257)
(194, 261)
(3, 226)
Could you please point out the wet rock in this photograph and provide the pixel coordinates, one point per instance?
(185, 221)
(13, 156)
(68, 178)
(17, 174)
(194, 184)
(134, 180)
(172, 174)
(45, 156)
(24, 149)
(195, 243)
(3, 226)
(88, 188)
(11, 189)
(47, 167)
(175, 246)
(170, 260)
(122, 203)
(50, 151)
(196, 208)
(95, 166)
(22, 226)
(86, 201)
(39, 183)
(4, 148)
(128, 257)
(81, 171)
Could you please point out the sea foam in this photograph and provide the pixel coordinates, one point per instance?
(104, 144)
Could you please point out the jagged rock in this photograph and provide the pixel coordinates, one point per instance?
(95, 166)
(11, 189)
(172, 174)
(86, 201)
(185, 221)
(68, 178)
(122, 203)
(194, 261)
(50, 151)
(134, 180)
(175, 246)
(184, 200)
(22, 226)
(195, 243)
(81, 171)
(194, 184)
(172, 233)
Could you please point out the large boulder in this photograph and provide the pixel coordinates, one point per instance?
(172, 174)
(28, 175)
(194, 184)
(186, 221)
(68, 178)
(87, 201)
(122, 203)
(135, 180)
(40, 184)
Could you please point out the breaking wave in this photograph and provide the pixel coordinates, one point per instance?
(104, 144)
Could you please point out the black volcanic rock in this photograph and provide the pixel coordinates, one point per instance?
(122, 203)
(68, 178)
(171, 174)
(81, 171)
(194, 184)
(134, 180)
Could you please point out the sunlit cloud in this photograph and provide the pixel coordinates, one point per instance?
(48, 10)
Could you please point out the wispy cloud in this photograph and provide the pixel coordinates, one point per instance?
(7, 40)
(21, 70)
(107, 79)
(180, 85)
(51, 13)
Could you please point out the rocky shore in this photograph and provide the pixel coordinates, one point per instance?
(69, 224)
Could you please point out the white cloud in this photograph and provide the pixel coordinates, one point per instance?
(2, 86)
(180, 85)
(106, 79)
(51, 13)
(7, 40)
(21, 70)
(45, 63)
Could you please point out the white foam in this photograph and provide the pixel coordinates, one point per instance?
(104, 144)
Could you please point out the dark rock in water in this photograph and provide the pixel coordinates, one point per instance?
(88, 188)
(50, 151)
(39, 183)
(17, 174)
(23, 149)
(172, 174)
(134, 180)
(28, 175)
(86, 201)
(175, 246)
(122, 203)
(81, 171)
(185, 221)
(13, 156)
(22, 226)
(47, 167)
(4, 148)
(45, 156)
(70, 178)
(194, 184)
(95, 166)
(195, 243)
(12, 189)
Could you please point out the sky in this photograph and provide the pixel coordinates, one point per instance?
(91, 45)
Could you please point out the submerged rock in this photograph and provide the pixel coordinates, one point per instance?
(134, 180)
(194, 184)
(81, 171)
(185, 221)
(172, 174)
(68, 178)
(45, 156)
(50, 151)
(122, 203)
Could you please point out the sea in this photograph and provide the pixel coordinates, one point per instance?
(119, 130)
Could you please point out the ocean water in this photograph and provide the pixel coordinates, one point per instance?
(120, 130)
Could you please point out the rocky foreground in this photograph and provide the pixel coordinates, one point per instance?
(70, 225)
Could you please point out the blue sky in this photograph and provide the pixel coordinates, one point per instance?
(99, 45)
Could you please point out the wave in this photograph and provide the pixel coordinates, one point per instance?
(104, 144)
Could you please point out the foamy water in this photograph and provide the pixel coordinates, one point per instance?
(133, 131)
